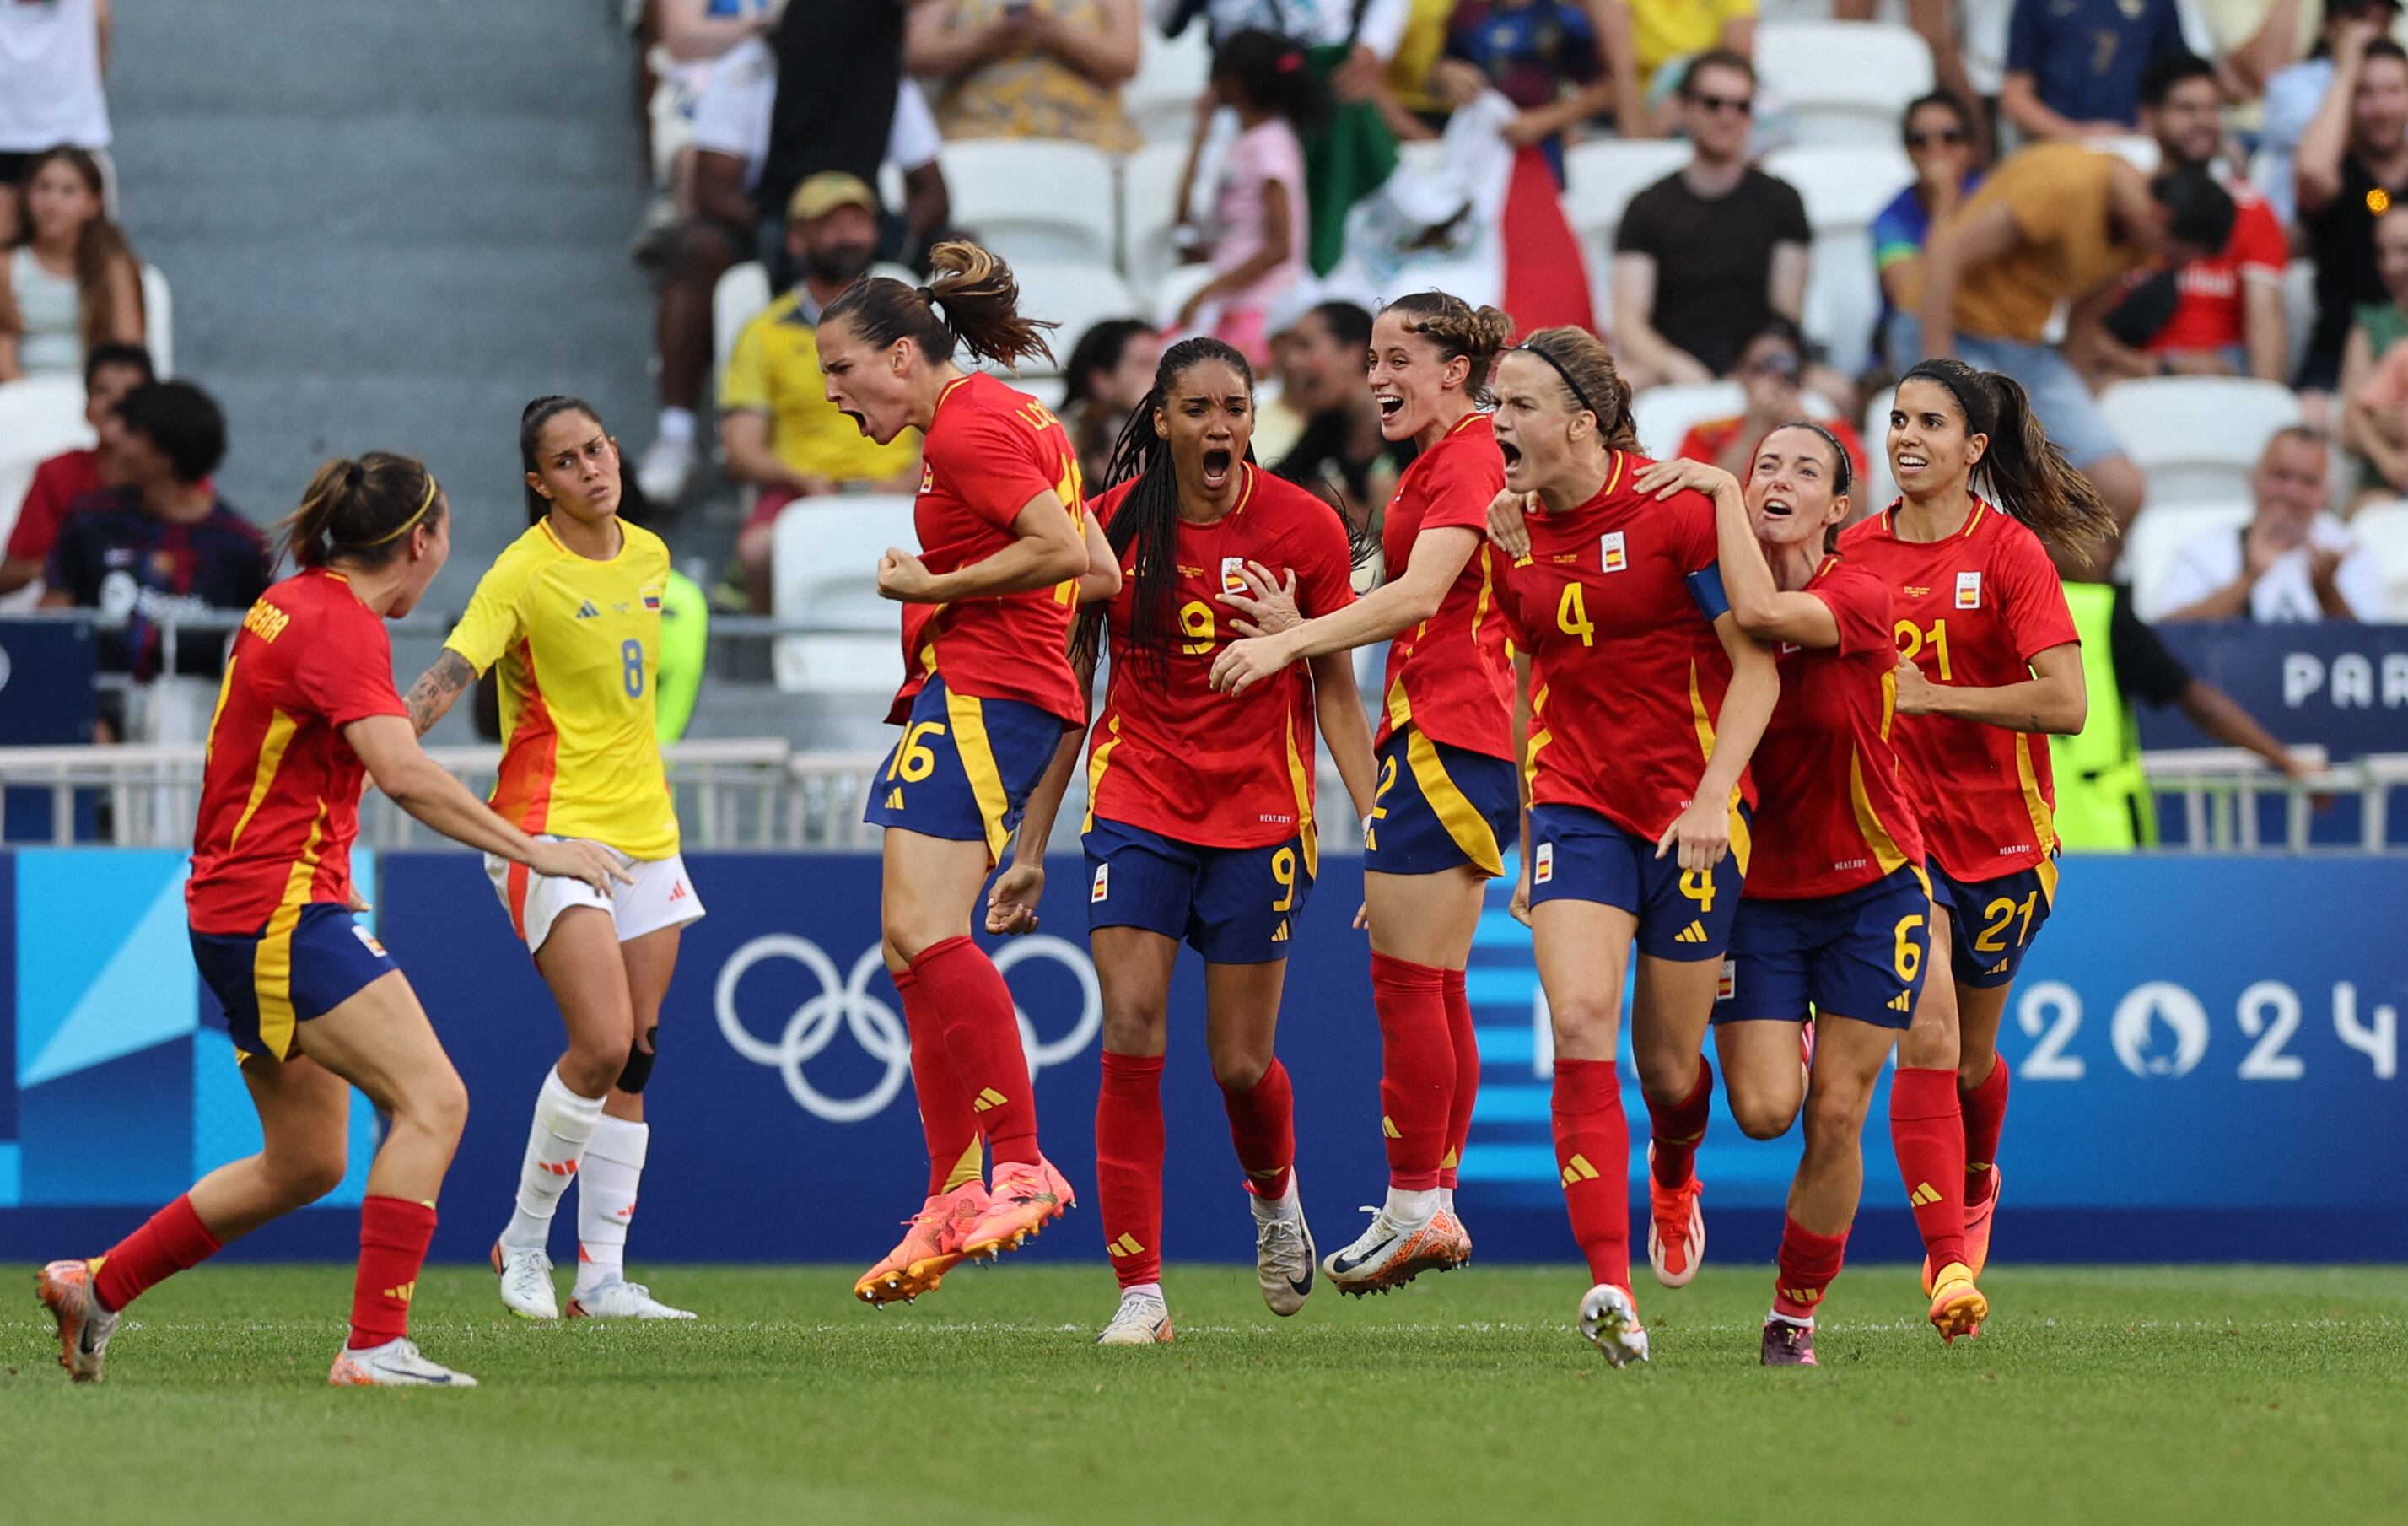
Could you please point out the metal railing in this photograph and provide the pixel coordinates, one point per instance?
(2220, 788)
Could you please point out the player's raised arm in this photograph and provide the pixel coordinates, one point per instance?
(427, 790)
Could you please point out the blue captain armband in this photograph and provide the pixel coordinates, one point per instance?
(1706, 592)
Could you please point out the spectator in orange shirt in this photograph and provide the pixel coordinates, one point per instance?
(110, 372)
(1768, 367)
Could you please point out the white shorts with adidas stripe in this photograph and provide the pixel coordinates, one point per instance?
(662, 897)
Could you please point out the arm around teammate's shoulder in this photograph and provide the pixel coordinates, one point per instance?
(389, 748)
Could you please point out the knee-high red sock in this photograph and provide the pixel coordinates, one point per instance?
(1261, 1125)
(1465, 1043)
(1416, 1067)
(1128, 1165)
(965, 991)
(394, 1236)
(174, 1240)
(1807, 1264)
(1679, 1127)
(945, 1116)
(1593, 1152)
(1985, 1119)
(1927, 1132)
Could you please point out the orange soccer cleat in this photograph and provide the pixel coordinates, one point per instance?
(932, 1248)
(1958, 1307)
(1023, 1200)
(66, 1289)
(1676, 1228)
(1977, 1225)
(1393, 1252)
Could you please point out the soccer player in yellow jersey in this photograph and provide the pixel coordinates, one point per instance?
(572, 611)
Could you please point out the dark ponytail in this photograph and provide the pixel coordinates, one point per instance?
(538, 414)
(981, 299)
(361, 512)
(2027, 476)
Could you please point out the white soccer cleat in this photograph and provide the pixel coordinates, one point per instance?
(1392, 1252)
(1284, 1253)
(396, 1365)
(619, 1299)
(1609, 1318)
(665, 468)
(1142, 1320)
(64, 1289)
(526, 1282)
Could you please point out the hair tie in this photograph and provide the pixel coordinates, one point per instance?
(397, 531)
(926, 293)
(1289, 63)
(356, 476)
(1585, 404)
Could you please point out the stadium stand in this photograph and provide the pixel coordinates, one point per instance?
(1841, 82)
(2197, 437)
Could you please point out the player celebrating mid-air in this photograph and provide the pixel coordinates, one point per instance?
(314, 1004)
(1448, 796)
(571, 611)
(1834, 922)
(1987, 663)
(1644, 701)
(1200, 823)
(1005, 559)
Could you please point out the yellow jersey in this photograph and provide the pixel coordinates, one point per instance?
(776, 370)
(579, 645)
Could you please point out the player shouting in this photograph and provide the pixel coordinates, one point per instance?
(314, 1004)
(1644, 701)
(1447, 797)
(1200, 823)
(1987, 664)
(1005, 561)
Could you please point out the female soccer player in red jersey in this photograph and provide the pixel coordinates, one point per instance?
(1988, 668)
(1644, 701)
(1006, 556)
(1835, 920)
(314, 1004)
(1448, 796)
(1201, 823)
(570, 611)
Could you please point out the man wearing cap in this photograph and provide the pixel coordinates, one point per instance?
(777, 429)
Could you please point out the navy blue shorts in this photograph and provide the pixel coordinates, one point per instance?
(1440, 808)
(271, 982)
(1578, 855)
(1232, 905)
(1992, 922)
(964, 767)
(1862, 955)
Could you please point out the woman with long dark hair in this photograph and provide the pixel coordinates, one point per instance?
(72, 284)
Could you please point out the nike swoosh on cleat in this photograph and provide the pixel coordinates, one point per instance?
(1300, 1287)
(1341, 1265)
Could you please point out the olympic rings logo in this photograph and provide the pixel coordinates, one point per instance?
(847, 1002)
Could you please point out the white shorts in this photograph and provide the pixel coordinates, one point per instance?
(662, 897)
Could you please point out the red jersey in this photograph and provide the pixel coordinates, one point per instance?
(1615, 605)
(1171, 756)
(57, 483)
(989, 450)
(2210, 304)
(280, 793)
(1834, 814)
(1972, 610)
(1449, 675)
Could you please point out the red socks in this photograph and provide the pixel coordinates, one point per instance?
(394, 1235)
(1465, 1043)
(1926, 1130)
(1680, 1126)
(1128, 1165)
(945, 1116)
(1416, 1068)
(1985, 1119)
(1593, 1152)
(1807, 1263)
(1261, 1125)
(175, 1240)
(963, 988)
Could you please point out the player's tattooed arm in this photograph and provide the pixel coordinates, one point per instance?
(431, 698)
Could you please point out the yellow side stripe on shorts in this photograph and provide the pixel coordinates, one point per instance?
(271, 963)
(969, 717)
(1455, 812)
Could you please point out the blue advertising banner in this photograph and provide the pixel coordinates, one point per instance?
(2205, 1057)
(2342, 685)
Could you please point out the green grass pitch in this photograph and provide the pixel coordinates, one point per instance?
(2126, 1396)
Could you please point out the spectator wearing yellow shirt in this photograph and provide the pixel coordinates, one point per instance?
(1670, 31)
(776, 428)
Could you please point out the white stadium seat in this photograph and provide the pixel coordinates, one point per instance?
(824, 573)
(1034, 198)
(1600, 178)
(2197, 437)
(743, 290)
(1843, 82)
(2383, 530)
(1172, 74)
(1076, 295)
(1876, 495)
(2158, 536)
(159, 322)
(39, 417)
(1149, 219)
(1844, 188)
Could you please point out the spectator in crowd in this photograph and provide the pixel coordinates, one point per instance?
(1341, 453)
(1258, 233)
(776, 428)
(1028, 68)
(2352, 164)
(1768, 371)
(2293, 94)
(53, 58)
(1110, 372)
(678, 43)
(732, 129)
(2074, 66)
(1666, 34)
(1942, 146)
(2060, 222)
(1408, 91)
(73, 282)
(2292, 562)
(1546, 57)
(2371, 424)
(2220, 316)
(1705, 255)
(111, 373)
(839, 64)
(2256, 40)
